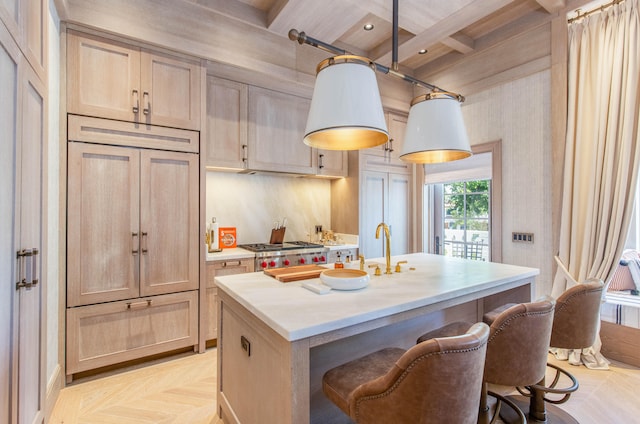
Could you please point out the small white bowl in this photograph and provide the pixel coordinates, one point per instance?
(345, 279)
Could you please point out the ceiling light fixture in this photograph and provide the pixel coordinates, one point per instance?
(423, 51)
(346, 111)
(368, 27)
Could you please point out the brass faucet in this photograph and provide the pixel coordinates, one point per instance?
(361, 257)
(388, 249)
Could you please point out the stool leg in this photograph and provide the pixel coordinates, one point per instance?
(537, 407)
(484, 412)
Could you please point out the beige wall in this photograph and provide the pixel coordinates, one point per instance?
(518, 113)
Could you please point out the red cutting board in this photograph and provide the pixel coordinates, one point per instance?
(295, 273)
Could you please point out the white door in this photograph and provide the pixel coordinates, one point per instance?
(372, 212)
(399, 212)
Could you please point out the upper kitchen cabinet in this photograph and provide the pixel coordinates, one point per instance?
(27, 23)
(258, 129)
(333, 163)
(275, 132)
(113, 80)
(396, 124)
(226, 125)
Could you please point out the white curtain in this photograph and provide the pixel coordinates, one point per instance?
(601, 152)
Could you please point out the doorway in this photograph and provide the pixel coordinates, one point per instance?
(462, 204)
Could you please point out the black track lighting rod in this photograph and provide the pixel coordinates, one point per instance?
(302, 38)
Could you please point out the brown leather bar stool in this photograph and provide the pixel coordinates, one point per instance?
(433, 382)
(575, 325)
(516, 351)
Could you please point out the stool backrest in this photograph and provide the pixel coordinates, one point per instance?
(577, 316)
(518, 344)
(438, 380)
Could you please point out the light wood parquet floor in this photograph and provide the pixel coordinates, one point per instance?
(182, 390)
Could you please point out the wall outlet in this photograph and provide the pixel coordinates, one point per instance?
(522, 237)
(318, 229)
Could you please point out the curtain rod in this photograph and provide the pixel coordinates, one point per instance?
(597, 9)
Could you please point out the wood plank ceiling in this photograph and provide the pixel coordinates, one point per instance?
(448, 30)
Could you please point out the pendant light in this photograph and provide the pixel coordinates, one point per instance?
(435, 130)
(346, 110)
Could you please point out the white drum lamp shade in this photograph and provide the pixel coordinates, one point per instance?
(346, 111)
(435, 130)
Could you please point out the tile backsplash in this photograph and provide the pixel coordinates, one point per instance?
(252, 203)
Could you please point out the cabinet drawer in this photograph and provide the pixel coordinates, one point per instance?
(228, 267)
(108, 333)
(106, 131)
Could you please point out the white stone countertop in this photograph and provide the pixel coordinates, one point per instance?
(227, 254)
(296, 313)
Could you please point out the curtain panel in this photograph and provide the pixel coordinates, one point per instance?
(601, 151)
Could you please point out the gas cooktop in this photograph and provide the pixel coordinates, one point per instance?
(290, 245)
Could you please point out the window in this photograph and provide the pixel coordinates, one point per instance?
(465, 208)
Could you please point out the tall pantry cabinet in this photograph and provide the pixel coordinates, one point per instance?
(133, 209)
(23, 188)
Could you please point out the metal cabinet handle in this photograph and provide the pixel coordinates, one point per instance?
(390, 145)
(133, 236)
(27, 268)
(144, 242)
(226, 264)
(145, 99)
(136, 101)
(139, 305)
(320, 164)
(244, 153)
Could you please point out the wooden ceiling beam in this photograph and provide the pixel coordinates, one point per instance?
(445, 28)
(460, 43)
(552, 6)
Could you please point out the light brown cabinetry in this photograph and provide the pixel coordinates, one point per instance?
(23, 206)
(276, 129)
(218, 269)
(26, 21)
(226, 123)
(391, 150)
(259, 129)
(115, 80)
(132, 236)
(107, 333)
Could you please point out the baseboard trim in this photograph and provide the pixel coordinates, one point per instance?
(620, 343)
(54, 385)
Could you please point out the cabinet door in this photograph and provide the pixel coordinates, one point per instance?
(226, 123)
(10, 16)
(169, 211)
(218, 269)
(333, 163)
(399, 212)
(397, 126)
(276, 129)
(103, 223)
(36, 13)
(103, 78)
(9, 55)
(170, 91)
(31, 301)
(373, 198)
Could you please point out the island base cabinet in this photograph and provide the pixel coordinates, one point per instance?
(110, 333)
(250, 366)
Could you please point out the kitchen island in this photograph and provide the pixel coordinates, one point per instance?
(277, 339)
